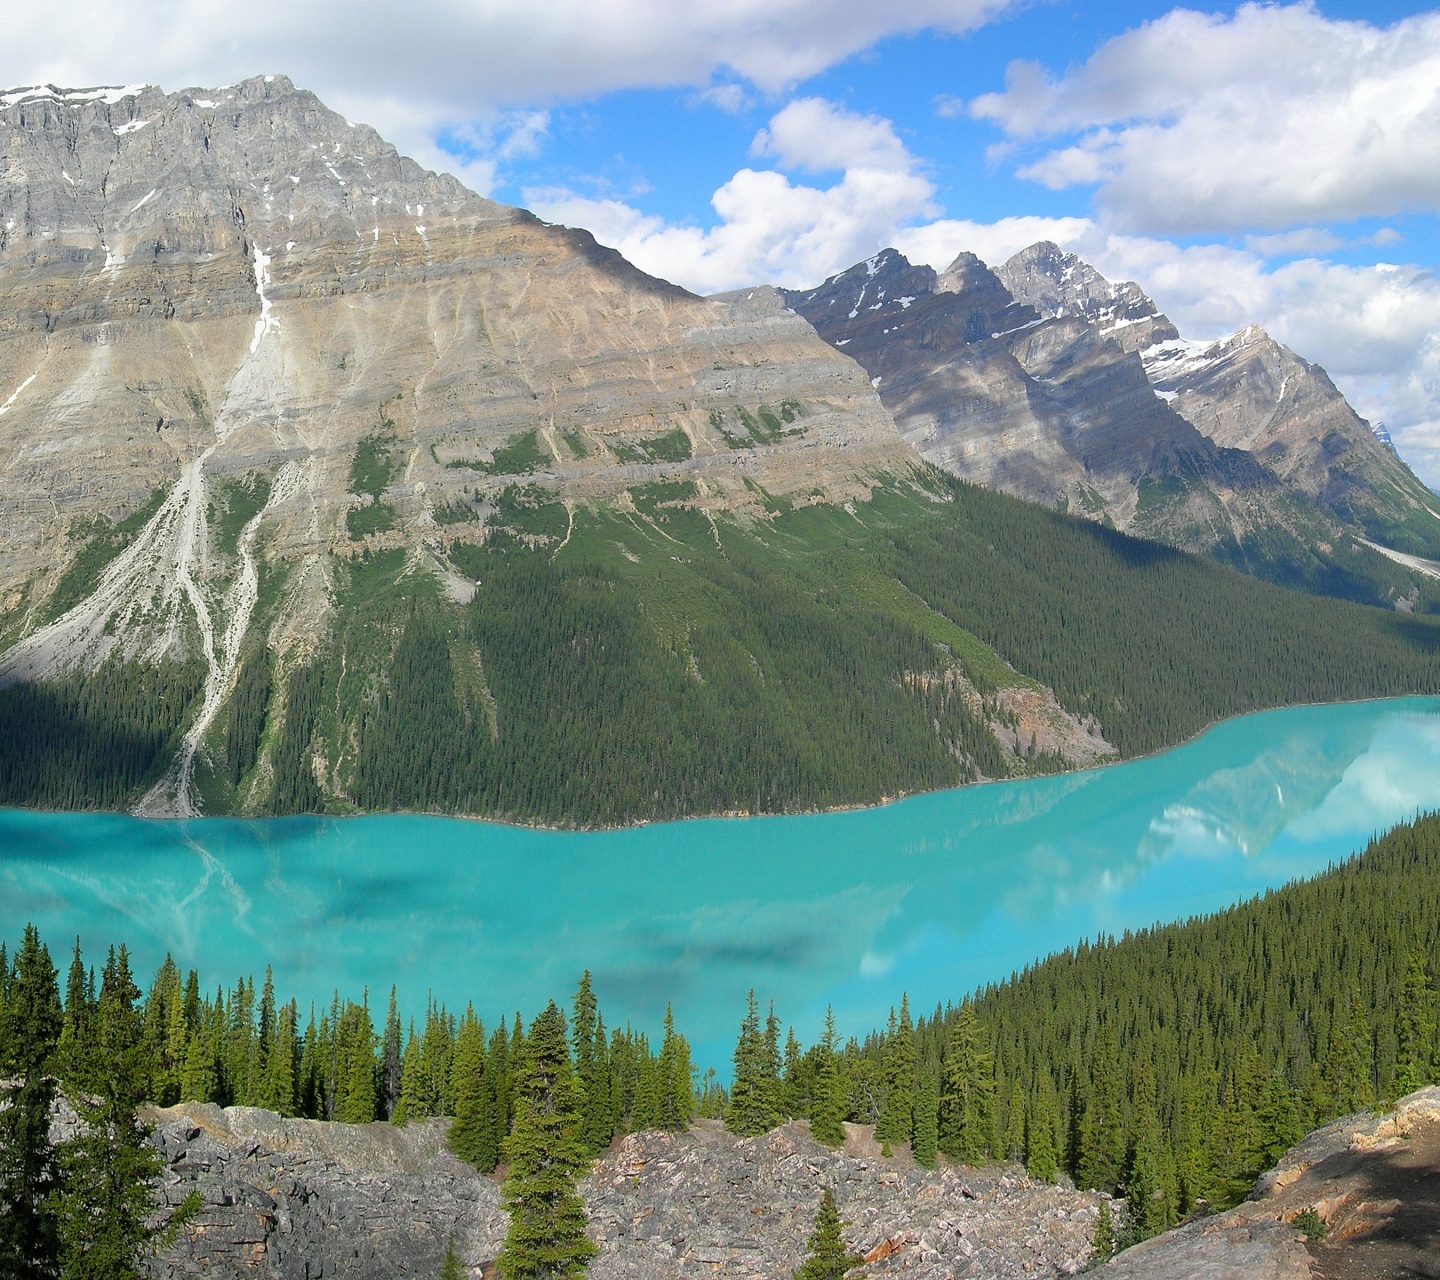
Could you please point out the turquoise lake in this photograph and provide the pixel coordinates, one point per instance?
(932, 895)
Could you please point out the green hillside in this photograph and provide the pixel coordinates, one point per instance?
(647, 659)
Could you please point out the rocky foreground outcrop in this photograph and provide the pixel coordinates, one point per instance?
(305, 1200)
(1374, 1180)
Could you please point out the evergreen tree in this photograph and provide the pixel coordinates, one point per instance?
(1103, 1239)
(967, 1087)
(1415, 1026)
(1349, 1059)
(278, 1091)
(1102, 1127)
(390, 1060)
(451, 1267)
(754, 1090)
(1015, 1124)
(1042, 1146)
(547, 1153)
(925, 1142)
(472, 1137)
(106, 1204)
(30, 1030)
(897, 1115)
(592, 1066)
(79, 1008)
(674, 1069)
(411, 1105)
(827, 1111)
(827, 1257)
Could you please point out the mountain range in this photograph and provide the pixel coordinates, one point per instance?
(1044, 380)
(326, 483)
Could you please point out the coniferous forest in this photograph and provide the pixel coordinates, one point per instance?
(665, 663)
(1170, 1066)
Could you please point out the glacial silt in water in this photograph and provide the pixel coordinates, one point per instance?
(932, 895)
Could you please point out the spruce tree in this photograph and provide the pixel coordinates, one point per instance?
(1102, 1127)
(547, 1154)
(1042, 1128)
(592, 1066)
(897, 1115)
(827, 1258)
(106, 1205)
(967, 1087)
(1414, 1026)
(472, 1137)
(390, 1060)
(925, 1142)
(1015, 1121)
(753, 1108)
(30, 1029)
(674, 1069)
(827, 1110)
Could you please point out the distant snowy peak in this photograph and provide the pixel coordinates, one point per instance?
(886, 282)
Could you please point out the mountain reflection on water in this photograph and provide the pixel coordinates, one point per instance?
(933, 895)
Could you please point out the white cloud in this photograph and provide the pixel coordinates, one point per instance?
(937, 243)
(770, 229)
(1272, 117)
(411, 69)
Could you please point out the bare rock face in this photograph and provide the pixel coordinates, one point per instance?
(1045, 380)
(303, 1199)
(1057, 283)
(1051, 408)
(1249, 392)
(220, 283)
(707, 1204)
(1373, 1180)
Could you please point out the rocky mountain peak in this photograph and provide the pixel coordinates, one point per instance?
(1058, 283)
(888, 283)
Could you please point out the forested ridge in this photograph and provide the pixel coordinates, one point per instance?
(652, 660)
(1171, 1066)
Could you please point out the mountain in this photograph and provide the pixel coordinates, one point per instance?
(1046, 381)
(326, 484)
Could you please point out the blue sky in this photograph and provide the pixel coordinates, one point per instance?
(1272, 164)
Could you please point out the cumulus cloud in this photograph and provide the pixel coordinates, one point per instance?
(1269, 118)
(771, 229)
(410, 70)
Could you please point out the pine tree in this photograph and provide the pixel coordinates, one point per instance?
(1103, 1239)
(827, 1257)
(278, 1090)
(827, 1110)
(967, 1086)
(472, 1137)
(30, 1030)
(897, 1115)
(547, 1154)
(411, 1106)
(753, 1108)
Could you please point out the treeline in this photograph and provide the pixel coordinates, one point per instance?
(243, 1047)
